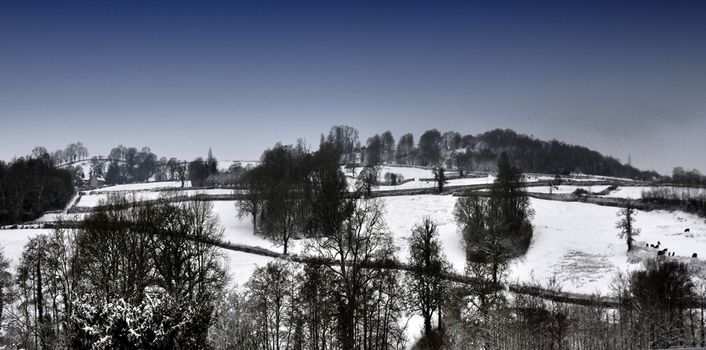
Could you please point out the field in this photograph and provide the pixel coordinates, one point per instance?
(575, 243)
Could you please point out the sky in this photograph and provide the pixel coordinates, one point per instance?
(623, 78)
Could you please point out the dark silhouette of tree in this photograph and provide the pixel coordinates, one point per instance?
(509, 206)
(405, 150)
(388, 147)
(374, 151)
(463, 161)
(212, 163)
(440, 178)
(198, 172)
(345, 139)
(626, 224)
(426, 284)
(429, 148)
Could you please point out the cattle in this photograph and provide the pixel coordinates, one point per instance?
(687, 230)
(661, 252)
(694, 255)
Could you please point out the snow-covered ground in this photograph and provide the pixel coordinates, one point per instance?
(635, 192)
(562, 189)
(94, 198)
(629, 192)
(143, 186)
(575, 242)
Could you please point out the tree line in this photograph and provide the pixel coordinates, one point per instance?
(30, 186)
(480, 152)
(142, 275)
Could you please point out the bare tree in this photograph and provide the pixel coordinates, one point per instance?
(626, 224)
(426, 284)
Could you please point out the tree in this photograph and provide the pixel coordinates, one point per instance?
(661, 294)
(427, 285)
(463, 162)
(253, 199)
(388, 147)
(284, 187)
(626, 224)
(374, 151)
(114, 174)
(212, 163)
(6, 294)
(145, 165)
(271, 295)
(367, 180)
(440, 178)
(429, 147)
(282, 217)
(96, 166)
(405, 150)
(361, 238)
(510, 207)
(172, 165)
(198, 172)
(345, 139)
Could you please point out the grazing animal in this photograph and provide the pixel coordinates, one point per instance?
(673, 253)
(694, 255)
(687, 230)
(646, 245)
(661, 252)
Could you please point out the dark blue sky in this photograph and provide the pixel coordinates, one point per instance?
(620, 77)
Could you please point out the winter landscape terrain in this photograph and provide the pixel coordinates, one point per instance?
(574, 244)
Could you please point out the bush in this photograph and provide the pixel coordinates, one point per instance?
(393, 179)
(580, 192)
(156, 323)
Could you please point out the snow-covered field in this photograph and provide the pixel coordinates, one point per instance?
(562, 189)
(143, 186)
(94, 198)
(635, 192)
(576, 242)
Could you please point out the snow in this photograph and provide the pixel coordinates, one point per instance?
(94, 198)
(143, 186)
(562, 189)
(630, 192)
(635, 192)
(575, 242)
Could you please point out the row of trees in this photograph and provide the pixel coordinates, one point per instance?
(31, 186)
(293, 192)
(480, 152)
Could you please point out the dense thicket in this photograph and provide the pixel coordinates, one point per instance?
(131, 276)
(28, 187)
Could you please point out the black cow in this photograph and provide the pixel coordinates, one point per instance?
(687, 230)
(694, 255)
